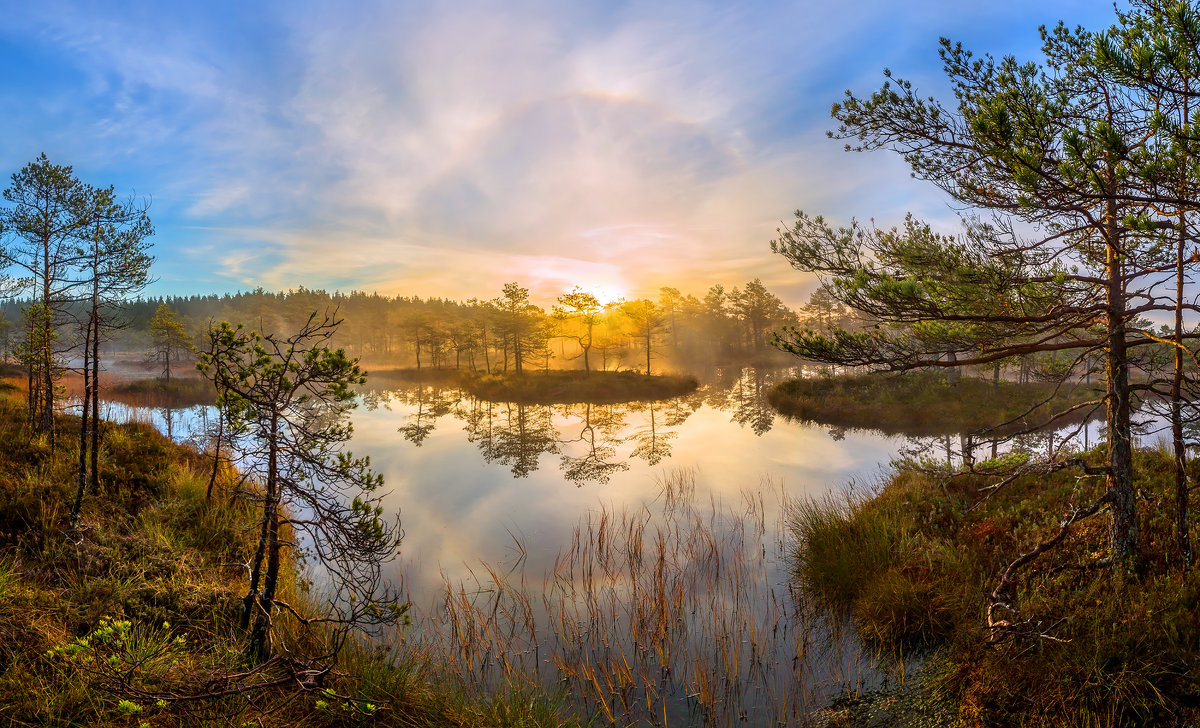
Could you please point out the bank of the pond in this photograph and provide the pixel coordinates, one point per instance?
(117, 621)
(912, 567)
(553, 387)
(926, 403)
(157, 392)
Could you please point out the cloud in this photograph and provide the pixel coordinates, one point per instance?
(442, 148)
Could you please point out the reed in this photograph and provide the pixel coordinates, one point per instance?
(672, 613)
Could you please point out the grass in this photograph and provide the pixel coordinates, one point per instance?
(141, 600)
(550, 387)
(911, 566)
(569, 387)
(155, 392)
(924, 403)
(665, 614)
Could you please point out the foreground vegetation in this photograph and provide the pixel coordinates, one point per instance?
(926, 403)
(1081, 647)
(130, 618)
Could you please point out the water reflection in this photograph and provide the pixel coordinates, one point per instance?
(480, 488)
(597, 459)
(593, 441)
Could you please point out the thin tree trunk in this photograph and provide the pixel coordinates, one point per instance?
(212, 478)
(95, 449)
(251, 599)
(31, 395)
(1182, 526)
(47, 353)
(647, 354)
(1123, 526)
(81, 480)
(259, 646)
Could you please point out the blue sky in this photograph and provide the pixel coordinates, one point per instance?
(444, 148)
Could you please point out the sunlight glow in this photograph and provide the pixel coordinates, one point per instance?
(608, 293)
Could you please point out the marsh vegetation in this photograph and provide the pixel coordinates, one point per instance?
(908, 568)
(668, 613)
(930, 403)
(553, 386)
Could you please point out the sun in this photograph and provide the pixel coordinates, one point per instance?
(608, 293)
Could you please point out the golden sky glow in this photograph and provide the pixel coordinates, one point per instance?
(444, 148)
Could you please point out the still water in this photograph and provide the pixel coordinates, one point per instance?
(634, 554)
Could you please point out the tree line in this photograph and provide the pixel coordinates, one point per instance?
(506, 333)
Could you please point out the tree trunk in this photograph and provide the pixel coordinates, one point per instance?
(212, 479)
(95, 449)
(1123, 526)
(647, 354)
(81, 480)
(259, 647)
(1182, 527)
(587, 368)
(47, 373)
(251, 600)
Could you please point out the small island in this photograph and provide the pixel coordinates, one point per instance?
(553, 386)
(568, 387)
(923, 404)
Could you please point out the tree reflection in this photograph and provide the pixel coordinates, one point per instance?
(512, 434)
(431, 403)
(588, 438)
(742, 391)
(652, 441)
(599, 429)
(749, 402)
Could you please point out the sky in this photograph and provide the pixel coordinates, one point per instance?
(443, 148)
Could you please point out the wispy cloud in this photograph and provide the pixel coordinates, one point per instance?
(446, 147)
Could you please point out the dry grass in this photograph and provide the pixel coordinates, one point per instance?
(1093, 648)
(674, 613)
(157, 559)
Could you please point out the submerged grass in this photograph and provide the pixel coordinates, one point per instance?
(668, 614)
(911, 568)
(925, 403)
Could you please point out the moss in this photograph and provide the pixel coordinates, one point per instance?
(924, 403)
(1116, 651)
